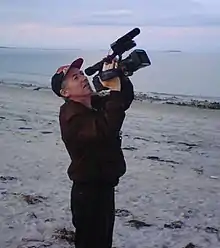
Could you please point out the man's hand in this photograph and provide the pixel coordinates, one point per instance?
(114, 83)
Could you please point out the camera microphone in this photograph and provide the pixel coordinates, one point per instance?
(125, 42)
(129, 36)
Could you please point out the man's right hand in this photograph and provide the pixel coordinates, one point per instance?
(114, 83)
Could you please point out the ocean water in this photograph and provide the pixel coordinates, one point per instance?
(176, 73)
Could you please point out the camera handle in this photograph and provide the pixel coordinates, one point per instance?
(98, 66)
(109, 74)
(104, 76)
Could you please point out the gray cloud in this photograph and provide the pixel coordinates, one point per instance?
(154, 13)
(119, 13)
(113, 13)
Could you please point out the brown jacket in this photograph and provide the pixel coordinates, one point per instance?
(92, 136)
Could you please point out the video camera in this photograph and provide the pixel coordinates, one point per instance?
(135, 61)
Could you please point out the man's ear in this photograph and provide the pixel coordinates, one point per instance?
(63, 93)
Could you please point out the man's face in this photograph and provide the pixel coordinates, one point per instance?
(76, 84)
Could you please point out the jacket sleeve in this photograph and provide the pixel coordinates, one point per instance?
(127, 91)
(98, 124)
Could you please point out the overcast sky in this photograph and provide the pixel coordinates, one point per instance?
(164, 24)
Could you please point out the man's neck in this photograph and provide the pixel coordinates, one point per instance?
(86, 101)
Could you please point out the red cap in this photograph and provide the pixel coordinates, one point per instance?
(60, 74)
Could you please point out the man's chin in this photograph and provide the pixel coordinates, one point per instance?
(89, 90)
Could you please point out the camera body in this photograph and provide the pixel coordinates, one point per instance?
(136, 60)
(133, 62)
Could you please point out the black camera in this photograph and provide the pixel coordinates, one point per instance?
(135, 61)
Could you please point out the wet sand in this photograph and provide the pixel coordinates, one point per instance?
(169, 197)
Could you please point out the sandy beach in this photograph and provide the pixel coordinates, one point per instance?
(169, 197)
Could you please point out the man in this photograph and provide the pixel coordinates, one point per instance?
(90, 129)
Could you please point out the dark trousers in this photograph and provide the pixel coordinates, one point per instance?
(93, 215)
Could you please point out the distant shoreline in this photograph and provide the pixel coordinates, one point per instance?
(101, 49)
(82, 49)
(149, 97)
(5, 47)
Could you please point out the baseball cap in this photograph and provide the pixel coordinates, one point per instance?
(62, 71)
